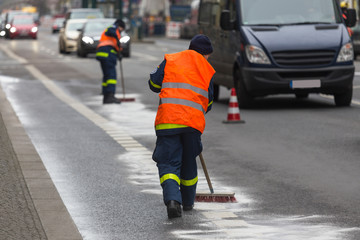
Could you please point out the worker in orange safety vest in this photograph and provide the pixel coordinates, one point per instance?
(108, 51)
(184, 81)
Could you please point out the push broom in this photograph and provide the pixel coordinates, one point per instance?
(124, 99)
(212, 197)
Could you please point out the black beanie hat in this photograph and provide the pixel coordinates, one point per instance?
(201, 44)
(120, 23)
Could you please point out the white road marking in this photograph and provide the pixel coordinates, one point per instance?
(219, 215)
(146, 57)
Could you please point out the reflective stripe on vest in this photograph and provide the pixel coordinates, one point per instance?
(184, 91)
(170, 176)
(190, 182)
(185, 86)
(183, 102)
(169, 126)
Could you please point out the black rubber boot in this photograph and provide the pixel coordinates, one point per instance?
(188, 208)
(173, 209)
(110, 98)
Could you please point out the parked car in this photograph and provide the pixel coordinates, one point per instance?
(57, 25)
(299, 48)
(23, 27)
(69, 35)
(90, 35)
(356, 39)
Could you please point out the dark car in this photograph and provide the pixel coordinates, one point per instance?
(262, 49)
(57, 25)
(356, 39)
(90, 35)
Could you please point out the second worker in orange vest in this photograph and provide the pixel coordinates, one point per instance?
(184, 81)
(108, 51)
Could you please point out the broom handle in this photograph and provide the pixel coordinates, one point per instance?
(206, 172)
(122, 79)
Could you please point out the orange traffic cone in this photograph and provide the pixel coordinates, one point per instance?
(233, 111)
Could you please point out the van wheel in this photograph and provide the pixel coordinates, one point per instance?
(216, 92)
(343, 99)
(244, 98)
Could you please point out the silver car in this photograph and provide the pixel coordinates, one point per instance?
(69, 35)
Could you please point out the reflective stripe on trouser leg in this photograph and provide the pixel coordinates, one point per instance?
(192, 147)
(109, 72)
(168, 155)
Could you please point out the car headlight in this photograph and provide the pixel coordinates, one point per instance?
(12, 29)
(346, 53)
(8, 26)
(2, 33)
(256, 55)
(124, 39)
(34, 29)
(87, 40)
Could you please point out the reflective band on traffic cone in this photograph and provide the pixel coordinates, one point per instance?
(233, 111)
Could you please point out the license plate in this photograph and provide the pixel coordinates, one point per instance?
(24, 33)
(305, 84)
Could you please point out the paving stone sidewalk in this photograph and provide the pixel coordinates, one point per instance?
(18, 216)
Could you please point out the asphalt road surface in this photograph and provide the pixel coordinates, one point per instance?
(294, 165)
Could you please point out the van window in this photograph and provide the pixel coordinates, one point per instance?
(232, 9)
(280, 12)
(210, 12)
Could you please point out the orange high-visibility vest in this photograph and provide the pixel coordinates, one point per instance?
(109, 41)
(184, 92)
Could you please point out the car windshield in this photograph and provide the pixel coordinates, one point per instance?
(19, 21)
(284, 12)
(97, 26)
(78, 15)
(74, 26)
(13, 14)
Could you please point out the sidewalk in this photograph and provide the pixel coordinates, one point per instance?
(30, 205)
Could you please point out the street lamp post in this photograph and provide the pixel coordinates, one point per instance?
(120, 9)
(84, 3)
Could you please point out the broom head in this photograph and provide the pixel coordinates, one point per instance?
(215, 197)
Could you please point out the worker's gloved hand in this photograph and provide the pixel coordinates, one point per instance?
(120, 56)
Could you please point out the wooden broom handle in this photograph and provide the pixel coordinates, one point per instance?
(206, 172)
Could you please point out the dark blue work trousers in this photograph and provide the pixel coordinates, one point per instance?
(175, 156)
(108, 67)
